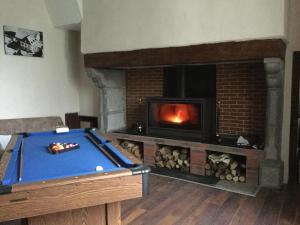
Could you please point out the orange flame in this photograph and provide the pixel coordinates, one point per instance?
(178, 113)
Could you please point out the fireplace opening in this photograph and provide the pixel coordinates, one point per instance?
(180, 115)
(190, 119)
(187, 110)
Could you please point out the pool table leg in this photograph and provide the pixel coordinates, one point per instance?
(114, 213)
(109, 214)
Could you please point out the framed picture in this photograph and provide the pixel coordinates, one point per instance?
(22, 42)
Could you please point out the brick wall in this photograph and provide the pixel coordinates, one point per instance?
(141, 83)
(240, 88)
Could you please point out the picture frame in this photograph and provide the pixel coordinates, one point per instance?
(23, 42)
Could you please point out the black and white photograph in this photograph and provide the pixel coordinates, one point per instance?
(23, 42)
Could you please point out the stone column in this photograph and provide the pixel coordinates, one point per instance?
(112, 87)
(271, 171)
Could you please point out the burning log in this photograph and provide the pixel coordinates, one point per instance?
(172, 158)
(224, 167)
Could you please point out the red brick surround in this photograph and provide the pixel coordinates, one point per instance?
(241, 89)
(141, 83)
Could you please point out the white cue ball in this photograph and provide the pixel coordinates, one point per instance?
(99, 168)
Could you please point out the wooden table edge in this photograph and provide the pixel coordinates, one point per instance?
(4, 161)
(70, 180)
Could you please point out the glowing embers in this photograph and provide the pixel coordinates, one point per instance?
(178, 114)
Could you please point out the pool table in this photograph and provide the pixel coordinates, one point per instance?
(68, 187)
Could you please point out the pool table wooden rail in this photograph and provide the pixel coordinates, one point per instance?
(82, 198)
(45, 200)
(4, 160)
(123, 151)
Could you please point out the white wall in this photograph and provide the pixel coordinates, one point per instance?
(45, 86)
(136, 24)
(293, 44)
(65, 14)
(80, 4)
(89, 95)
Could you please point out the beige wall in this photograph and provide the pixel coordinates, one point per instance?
(293, 44)
(45, 86)
(136, 24)
(65, 14)
(89, 98)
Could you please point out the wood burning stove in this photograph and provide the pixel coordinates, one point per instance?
(183, 118)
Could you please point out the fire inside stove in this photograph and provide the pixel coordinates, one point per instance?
(178, 114)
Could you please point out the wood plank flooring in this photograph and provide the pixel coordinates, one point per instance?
(175, 202)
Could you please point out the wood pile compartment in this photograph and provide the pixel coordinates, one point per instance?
(172, 157)
(133, 147)
(226, 166)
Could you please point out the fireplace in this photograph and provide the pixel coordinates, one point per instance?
(248, 89)
(189, 119)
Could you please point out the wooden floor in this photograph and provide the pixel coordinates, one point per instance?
(181, 203)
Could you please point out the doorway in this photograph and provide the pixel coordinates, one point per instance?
(294, 168)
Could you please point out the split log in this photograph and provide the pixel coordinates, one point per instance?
(234, 165)
(160, 164)
(233, 172)
(176, 153)
(242, 179)
(214, 158)
(180, 162)
(132, 147)
(224, 167)
(229, 177)
(172, 158)
(235, 179)
(207, 166)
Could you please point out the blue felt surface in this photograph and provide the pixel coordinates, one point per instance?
(39, 164)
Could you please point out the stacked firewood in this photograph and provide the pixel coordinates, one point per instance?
(224, 167)
(172, 158)
(132, 147)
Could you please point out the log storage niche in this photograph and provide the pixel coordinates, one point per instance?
(172, 157)
(226, 166)
(133, 147)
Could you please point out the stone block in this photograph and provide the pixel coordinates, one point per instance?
(114, 99)
(271, 173)
(115, 121)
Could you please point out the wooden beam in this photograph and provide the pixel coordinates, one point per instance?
(194, 54)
